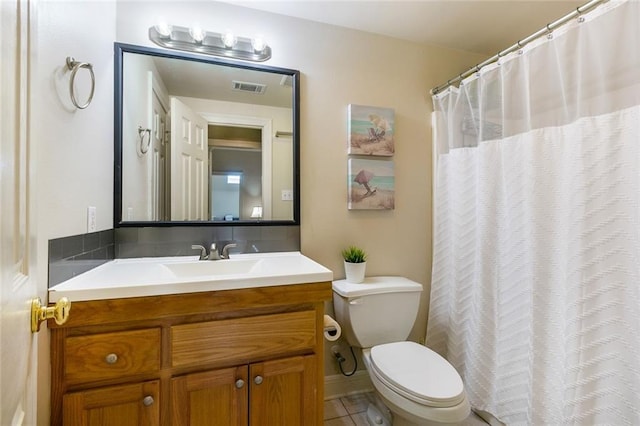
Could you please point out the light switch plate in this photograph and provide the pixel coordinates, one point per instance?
(287, 195)
(92, 226)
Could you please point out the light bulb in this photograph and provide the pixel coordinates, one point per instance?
(163, 29)
(197, 33)
(228, 39)
(258, 43)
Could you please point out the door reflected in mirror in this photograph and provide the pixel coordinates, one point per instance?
(202, 140)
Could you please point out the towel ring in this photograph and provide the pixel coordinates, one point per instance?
(74, 66)
(144, 148)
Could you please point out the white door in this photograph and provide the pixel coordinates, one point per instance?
(18, 350)
(158, 161)
(189, 164)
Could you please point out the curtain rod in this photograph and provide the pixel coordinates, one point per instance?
(520, 44)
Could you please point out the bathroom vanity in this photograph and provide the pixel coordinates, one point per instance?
(232, 352)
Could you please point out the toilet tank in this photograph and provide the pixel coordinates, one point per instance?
(378, 310)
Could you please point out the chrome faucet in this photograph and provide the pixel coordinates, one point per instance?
(213, 253)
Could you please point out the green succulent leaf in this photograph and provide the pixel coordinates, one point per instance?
(354, 254)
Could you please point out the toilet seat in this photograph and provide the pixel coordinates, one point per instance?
(417, 373)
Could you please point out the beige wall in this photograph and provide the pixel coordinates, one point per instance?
(350, 67)
(369, 70)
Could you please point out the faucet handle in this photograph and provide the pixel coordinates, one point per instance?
(225, 250)
(203, 251)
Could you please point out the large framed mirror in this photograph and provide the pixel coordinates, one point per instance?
(204, 141)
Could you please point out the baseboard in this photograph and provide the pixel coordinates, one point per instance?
(489, 418)
(339, 385)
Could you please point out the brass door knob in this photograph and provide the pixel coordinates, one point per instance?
(39, 312)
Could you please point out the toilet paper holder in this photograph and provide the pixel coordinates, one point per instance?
(331, 329)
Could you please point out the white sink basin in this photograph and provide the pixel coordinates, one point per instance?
(216, 267)
(151, 276)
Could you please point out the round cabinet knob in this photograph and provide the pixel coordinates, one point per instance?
(239, 383)
(111, 358)
(378, 420)
(148, 400)
(257, 380)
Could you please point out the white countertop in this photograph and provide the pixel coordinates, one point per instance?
(154, 276)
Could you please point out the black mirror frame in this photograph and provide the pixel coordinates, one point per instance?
(119, 50)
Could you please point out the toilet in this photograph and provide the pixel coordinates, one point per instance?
(417, 385)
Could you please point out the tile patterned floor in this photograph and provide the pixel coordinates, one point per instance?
(351, 410)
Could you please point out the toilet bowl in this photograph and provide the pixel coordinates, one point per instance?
(417, 385)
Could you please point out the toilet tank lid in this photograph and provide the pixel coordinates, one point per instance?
(376, 285)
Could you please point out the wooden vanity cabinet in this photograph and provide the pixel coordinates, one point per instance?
(237, 357)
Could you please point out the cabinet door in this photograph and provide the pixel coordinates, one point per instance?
(218, 397)
(283, 392)
(135, 405)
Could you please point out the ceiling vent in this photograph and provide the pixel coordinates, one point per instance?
(287, 81)
(244, 86)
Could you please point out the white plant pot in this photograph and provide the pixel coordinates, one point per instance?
(355, 271)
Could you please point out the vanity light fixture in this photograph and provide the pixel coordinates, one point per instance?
(197, 40)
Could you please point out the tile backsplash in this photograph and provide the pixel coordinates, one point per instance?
(70, 256)
(177, 241)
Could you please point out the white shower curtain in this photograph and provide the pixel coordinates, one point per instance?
(535, 295)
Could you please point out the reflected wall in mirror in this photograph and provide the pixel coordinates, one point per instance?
(204, 140)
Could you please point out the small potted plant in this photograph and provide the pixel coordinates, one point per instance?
(355, 263)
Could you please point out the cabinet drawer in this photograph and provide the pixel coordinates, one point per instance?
(242, 339)
(111, 355)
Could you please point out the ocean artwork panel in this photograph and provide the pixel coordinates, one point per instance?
(371, 184)
(371, 130)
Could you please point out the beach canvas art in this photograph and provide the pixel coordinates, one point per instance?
(371, 130)
(371, 184)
